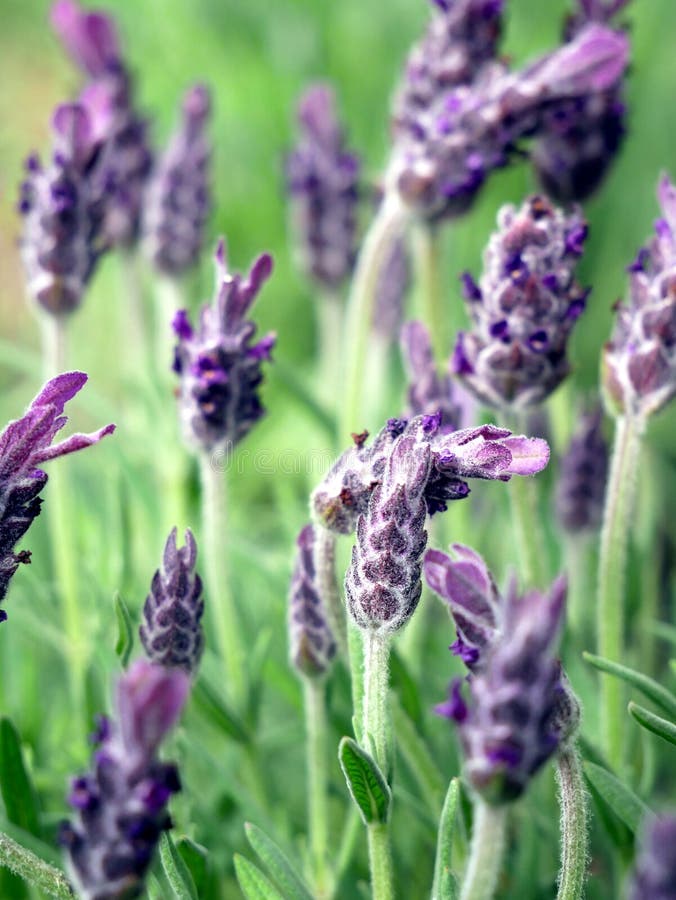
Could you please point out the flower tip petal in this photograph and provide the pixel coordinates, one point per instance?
(529, 455)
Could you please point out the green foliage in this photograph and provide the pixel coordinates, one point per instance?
(176, 871)
(277, 863)
(629, 808)
(254, 885)
(366, 783)
(656, 724)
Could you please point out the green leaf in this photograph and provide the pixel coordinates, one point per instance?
(656, 724)
(215, 710)
(365, 781)
(650, 688)
(278, 865)
(16, 787)
(254, 885)
(176, 871)
(445, 886)
(33, 870)
(194, 855)
(621, 799)
(125, 632)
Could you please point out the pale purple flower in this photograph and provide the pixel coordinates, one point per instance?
(654, 875)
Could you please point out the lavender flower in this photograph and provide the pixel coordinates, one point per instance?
(486, 452)
(121, 804)
(323, 184)
(62, 212)
(581, 487)
(654, 876)
(428, 392)
(172, 634)
(25, 445)
(89, 37)
(219, 367)
(177, 202)
(639, 361)
(524, 308)
(442, 159)
(312, 644)
(382, 584)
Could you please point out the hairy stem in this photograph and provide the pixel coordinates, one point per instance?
(380, 862)
(318, 812)
(32, 869)
(427, 255)
(486, 851)
(527, 530)
(573, 804)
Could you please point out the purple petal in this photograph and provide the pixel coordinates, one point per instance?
(71, 444)
(529, 455)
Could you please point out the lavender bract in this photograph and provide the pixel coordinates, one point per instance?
(26, 444)
(121, 804)
(323, 184)
(218, 365)
(581, 487)
(178, 196)
(639, 361)
(654, 876)
(428, 392)
(524, 308)
(172, 634)
(312, 646)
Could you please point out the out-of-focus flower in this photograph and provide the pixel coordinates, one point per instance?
(525, 306)
(178, 198)
(218, 365)
(89, 36)
(581, 487)
(121, 804)
(323, 184)
(654, 876)
(312, 646)
(639, 361)
(25, 445)
(172, 634)
(392, 286)
(428, 392)
(62, 214)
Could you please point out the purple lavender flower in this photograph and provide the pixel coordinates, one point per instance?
(219, 367)
(654, 876)
(121, 804)
(25, 445)
(443, 158)
(579, 138)
(639, 362)
(178, 198)
(89, 37)
(524, 308)
(486, 452)
(311, 640)
(581, 486)
(172, 634)
(323, 183)
(382, 584)
(428, 392)
(62, 214)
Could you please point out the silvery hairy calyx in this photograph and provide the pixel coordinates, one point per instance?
(121, 804)
(25, 445)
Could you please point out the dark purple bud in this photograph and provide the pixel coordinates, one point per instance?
(312, 646)
(219, 367)
(171, 633)
(581, 487)
(654, 876)
(428, 392)
(455, 707)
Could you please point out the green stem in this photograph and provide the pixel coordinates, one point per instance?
(318, 812)
(619, 509)
(348, 842)
(54, 345)
(385, 228)
(527, 531)
(486, 851)
(380, 862)
(34, 870)
(324, 558)
(427, 255)
(376, 730)
(355, 646)
(221, 602)
(573, 803)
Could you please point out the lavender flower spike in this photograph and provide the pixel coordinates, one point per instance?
(428, 392)
(323, 184)
(639, 362)
(654, 876)
(89, 37)
(25, 444)
(178, 197)
(311, 642)
(382, 584)
(524, 307)
(581, 487)
(219, 367)
(172, 634)
(121, 804)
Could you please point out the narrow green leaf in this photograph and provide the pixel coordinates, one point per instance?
(445, 886)
(33, 870)
(278, 865)
(176, 871)
(215, 710)
(194, 855)
(254, 885)
(650, 688)
(665, 630)
(418, 757)
(365, 781)
(621, 799)
(16, 787)
(125, 632)
(656, 724)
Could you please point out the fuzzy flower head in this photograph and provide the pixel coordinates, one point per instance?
(178, 198)
(217, 363)
(581, 487)
(524, 308)
(654, 876)
(25, 445)
(323, 185)
(62, 212)
(171, 632)
(312, 645)
(639, 362)
(121, 803)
